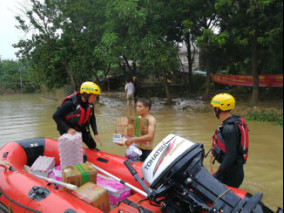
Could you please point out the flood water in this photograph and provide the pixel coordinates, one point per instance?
(30, 116)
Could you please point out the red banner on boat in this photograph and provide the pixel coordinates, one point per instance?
(247, 80)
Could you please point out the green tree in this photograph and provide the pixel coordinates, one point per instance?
(141, 32)
(196, 18)
(17, 76)
(41, 49)
(159, 44)
(125, 27)
(10, 75)
(67, 33)
(253, 24)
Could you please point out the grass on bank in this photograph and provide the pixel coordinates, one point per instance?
(269, 116)
(250, 113)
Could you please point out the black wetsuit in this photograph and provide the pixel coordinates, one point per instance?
(231, 171)
(145, 154)
(62, 125)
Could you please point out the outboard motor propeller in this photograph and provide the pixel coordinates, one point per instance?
(177, 178)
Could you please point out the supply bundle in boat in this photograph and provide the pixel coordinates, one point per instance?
(56, 174)
(43, 165)
(117, 192)
(79, 174)
(70, 149)
(94, 195)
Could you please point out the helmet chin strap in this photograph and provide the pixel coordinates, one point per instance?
(217, 112)
(86, 96)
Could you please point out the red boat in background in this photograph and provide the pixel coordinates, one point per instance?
(21, 191)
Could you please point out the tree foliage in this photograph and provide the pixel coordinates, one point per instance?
(255, 25)
(78, 40)
(16, 76)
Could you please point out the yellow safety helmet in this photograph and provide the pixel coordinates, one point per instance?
(90, 88)
(224, 101)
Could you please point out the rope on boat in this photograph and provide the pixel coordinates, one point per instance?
(18, 204)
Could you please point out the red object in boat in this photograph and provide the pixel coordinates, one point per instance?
(17, 188)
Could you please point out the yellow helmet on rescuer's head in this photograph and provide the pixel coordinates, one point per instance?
(90, 88)
(223, 101)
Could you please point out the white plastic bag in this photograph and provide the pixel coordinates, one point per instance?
(133, 152)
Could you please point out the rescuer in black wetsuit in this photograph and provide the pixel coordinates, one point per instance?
(230, 142)
(76, 113)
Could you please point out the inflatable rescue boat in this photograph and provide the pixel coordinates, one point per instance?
(21, 191)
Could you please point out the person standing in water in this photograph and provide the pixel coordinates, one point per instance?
(145, 142)
(76, 113)
(129, 91)
(230, 142)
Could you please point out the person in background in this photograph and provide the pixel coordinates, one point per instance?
(145, 142)
(129, 91)
(76, 113)
(230, 142)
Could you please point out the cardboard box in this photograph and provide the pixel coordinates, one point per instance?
(79, 174)
(43, 165)
(131, 126)
(94, 195)
(116, 191)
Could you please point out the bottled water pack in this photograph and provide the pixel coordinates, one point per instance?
(70, 149)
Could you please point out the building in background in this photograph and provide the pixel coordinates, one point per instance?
(184, 60)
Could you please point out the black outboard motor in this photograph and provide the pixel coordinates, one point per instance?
(178, 180)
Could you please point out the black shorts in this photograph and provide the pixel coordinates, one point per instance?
(145, 154)
(88, 139)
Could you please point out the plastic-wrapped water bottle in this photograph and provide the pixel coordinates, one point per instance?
(43, 165)
(70, 149)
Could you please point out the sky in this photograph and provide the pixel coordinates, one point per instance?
(9, 33)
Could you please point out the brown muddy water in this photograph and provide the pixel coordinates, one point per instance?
(30, 116)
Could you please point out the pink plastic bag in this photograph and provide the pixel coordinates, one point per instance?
(56, 174)
(117, 192)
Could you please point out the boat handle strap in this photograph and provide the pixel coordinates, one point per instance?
(7, 165)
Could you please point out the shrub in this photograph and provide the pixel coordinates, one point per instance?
(270, 116)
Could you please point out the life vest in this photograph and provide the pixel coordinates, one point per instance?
(219, 144)
(79, 116)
